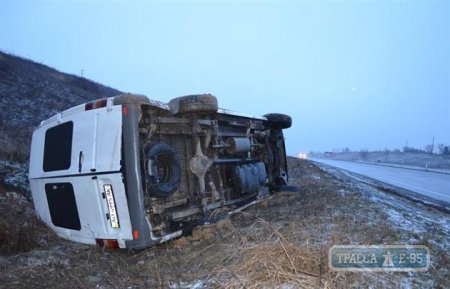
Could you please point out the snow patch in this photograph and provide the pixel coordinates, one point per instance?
(399, 220)
(15, 174)
(198, 284)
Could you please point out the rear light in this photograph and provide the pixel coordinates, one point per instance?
(136, 234)
(125, 110)
(96, 104)
(107, 243)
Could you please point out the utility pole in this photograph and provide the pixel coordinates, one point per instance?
(432, 146)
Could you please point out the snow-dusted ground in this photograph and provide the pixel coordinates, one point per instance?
(415, 223)
(14, 174)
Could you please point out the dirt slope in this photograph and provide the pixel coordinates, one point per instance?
(31, 92)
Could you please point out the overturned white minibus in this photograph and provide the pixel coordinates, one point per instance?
(130, 172)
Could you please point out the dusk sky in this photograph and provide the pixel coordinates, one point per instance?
(356, 74)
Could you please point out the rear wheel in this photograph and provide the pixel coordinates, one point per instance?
(284, 188)
(196, 103)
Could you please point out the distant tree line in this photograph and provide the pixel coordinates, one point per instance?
(412, 150)
(443, 149)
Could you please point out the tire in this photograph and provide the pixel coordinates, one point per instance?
(203, 103)
(279, 120)
(284, 188)
(163, 170)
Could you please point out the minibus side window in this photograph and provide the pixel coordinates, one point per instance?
(58, 147)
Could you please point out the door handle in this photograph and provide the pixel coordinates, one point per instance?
(80, 161)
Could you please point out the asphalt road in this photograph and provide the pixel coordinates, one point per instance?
(431, 184)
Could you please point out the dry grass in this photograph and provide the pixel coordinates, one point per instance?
(271, 262)
(282, 242)
(18, 234)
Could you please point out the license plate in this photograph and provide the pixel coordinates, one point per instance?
(113, 217)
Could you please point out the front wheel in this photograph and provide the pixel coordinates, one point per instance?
(284, 188)
(279, 120)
